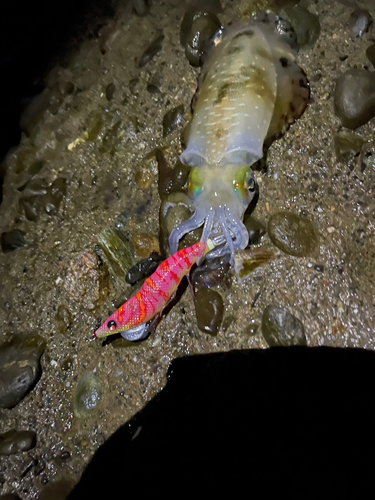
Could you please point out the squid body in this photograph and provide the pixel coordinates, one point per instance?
(249, 92)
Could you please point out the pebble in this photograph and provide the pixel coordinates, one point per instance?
(63, 319)
(172, 119)
(88, 395)
(293, 234)
(211, 273)
(144, 268)
(144, 244)
(38, 196)
(347, 144)
(117, 250)
(360, 21)
(305, 24)
(281, 328)
(144, 178)
(87, 281)
(57, 490)
(197, 29)
(140, 7)
(19, 368)
(170, 179)
(174, 209)
(367, 156)
(209, 309)
(14, 441)
(246, 261)
(354, 99)
(151, 51)
(110, 91)
(370, 53)
(12, 240)
(256, 229)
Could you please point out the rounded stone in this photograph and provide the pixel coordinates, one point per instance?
(172, 119)
(354, 99)
(360, 21)
(211, 273)
(305, 24)
(88, 395)
(14, 441)
(144, 244)
(293, 234)
(209, 309)
(19, 368)
(281, 328)
(197, 29)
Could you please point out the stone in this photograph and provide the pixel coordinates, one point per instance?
(209, 309)
(281, 328)
(293, 234)
(14, 441)
(88, 395)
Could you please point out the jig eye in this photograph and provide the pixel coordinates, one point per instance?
(111, 325)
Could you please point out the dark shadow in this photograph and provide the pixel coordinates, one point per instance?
(289, 420)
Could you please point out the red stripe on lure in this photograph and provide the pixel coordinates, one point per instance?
(155, 292)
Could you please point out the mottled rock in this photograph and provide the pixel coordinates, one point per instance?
(256, 229)
(209, 309)
(172, 119)
(360, 21)
(211, 273)
(57, 490)
(151, 51)
(354, 99)
(87, 280)
(293, 234)
(280, 328)
(144, 244)
(370, 53)
(347, 144)
(19, 368)
(12, 240)
(88, 395)
(246, 261)
(305, 24)
(117, 250)
(144, 268)
(15, 441)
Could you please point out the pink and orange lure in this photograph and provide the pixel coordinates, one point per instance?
(155, 292)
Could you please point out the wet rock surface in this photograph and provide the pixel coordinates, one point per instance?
(19, 368)
(15, 441)
(293, 234)
(355, 97)
(280, 328)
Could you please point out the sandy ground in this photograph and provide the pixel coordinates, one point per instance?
(336, 305)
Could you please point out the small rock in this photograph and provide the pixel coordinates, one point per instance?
(14, 441)
(151, 51)
(144, 244)
(174, 209)
(280, 328)
(63, 319)
(370, 53)
(110, 91)
(367, 156)
(256, 229)
(347, 144)
(12, 240)
(354, 99)
(143, 269)
(170, 180)
(88, 395)
(211, 273)
(197, 29)
(19, 368)
(87, 280)
(209, 309)
(57, 490)
(172, 119)
(305, 24)
(118, 251)
(140, 7)
(360, 21)
(246, 261)
(144, 178)
(293, 234)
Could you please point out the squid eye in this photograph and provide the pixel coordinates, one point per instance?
(251, 184)
(111, 325)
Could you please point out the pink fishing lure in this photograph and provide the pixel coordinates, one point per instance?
(155, 292)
